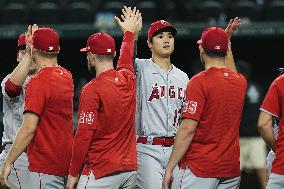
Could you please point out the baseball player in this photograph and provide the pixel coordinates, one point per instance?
(160, 98)
(47, 128)
(13, 90)
(271, 155)
(105, 138)
(207, 143)
(270, 108)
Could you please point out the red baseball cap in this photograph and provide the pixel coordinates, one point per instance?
(100, 43)
(214, 39)
(21, 40)
(158, 25)
(46, 39)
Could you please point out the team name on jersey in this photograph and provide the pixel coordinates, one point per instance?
(163, 91)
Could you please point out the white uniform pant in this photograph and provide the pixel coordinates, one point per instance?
(45, 181)
(122, 180)
(152, 161)
(275, 181)
(186, 179)
(19, 176)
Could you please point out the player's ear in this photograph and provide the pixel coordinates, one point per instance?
(201, 50)
(93, 57)
(150, 45)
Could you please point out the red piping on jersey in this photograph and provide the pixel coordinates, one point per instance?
(87, 180)
(17, 176)
(182, 178)
(39, 181)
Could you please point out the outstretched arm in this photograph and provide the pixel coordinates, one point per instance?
(13, 84)
(20, 73)
(129, 23)
(127, 11)
(231, 28)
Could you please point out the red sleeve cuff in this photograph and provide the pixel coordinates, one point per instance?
(189, 116)
(12, 89)
(128, 36)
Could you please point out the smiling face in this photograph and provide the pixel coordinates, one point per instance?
(162, 44)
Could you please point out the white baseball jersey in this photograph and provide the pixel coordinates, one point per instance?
(13, 108)
(160, 98)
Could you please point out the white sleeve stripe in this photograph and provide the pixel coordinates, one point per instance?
(268, 112)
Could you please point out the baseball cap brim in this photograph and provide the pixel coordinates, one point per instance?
(84, 49)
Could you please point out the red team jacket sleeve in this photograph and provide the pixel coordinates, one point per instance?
(35, 98)
(271, 103)
(12, 89)
(87, 117)
(126, 52)
(195, 100)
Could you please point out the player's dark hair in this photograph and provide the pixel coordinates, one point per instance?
(47, 54)
(214, 53)
(160, 31)
(104, 57)
(21, 47)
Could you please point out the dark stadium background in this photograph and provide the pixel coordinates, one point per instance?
(259, 40)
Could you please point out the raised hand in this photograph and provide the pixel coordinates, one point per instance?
(29, 33)
(232, 26)
(131, 20)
